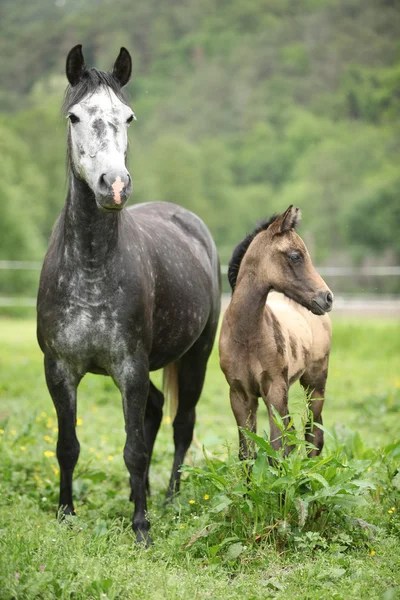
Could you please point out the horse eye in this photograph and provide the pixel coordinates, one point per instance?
(130, 119)
(73, 118)
(294, 257)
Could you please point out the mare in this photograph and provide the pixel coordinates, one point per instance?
(275, 329)
(122, 292)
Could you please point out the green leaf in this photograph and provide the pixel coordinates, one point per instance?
(315, 477)
(234, 551)
(302, 510)
(261, 443)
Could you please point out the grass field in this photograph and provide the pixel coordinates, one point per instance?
(96, 557)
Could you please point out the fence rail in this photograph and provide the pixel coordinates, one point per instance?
(379, 301)
(31, 265)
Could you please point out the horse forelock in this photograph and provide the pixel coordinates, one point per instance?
(242, 247)
(90, 81)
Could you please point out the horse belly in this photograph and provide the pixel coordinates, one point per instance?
(176, 329)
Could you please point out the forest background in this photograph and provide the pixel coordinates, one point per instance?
(243, 107)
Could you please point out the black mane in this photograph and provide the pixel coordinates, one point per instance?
(241, 248)
(91, 79)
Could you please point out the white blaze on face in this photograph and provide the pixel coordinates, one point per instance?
(117, 186)
(99, 140)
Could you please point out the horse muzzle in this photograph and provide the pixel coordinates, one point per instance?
(322, 303)
(113, 191)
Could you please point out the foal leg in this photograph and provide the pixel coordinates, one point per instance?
(132, 378)
(277, 396)
(62, 385)
(152, 421)
(244, 407)
(314, 385)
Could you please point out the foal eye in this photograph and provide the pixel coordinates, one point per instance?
(294, 257)
(73, 118)
(130, 119)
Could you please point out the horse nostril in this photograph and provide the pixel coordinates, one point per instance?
(102, 181)
(329, 298)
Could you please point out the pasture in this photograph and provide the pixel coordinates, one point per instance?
(352, 552)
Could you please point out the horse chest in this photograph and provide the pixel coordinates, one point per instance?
(86, 323)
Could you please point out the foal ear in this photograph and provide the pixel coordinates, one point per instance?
(123, 67)
(287, 220)
(75, 65)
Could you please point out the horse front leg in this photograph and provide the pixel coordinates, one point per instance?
(132, 378)
(62, 383)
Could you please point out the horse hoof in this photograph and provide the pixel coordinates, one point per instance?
(65, 511)
(143, 538)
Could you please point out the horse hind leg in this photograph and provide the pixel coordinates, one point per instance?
(152, 421)
(313, 382)
(191, 370)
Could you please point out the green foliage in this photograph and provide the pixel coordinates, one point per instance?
(346, 552)
(278, 499)
(243, 108)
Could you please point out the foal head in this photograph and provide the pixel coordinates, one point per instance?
(282, 260)
(97, 132)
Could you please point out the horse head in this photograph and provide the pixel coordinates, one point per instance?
(99, 118)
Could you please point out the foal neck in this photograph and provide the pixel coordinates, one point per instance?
(89, 234)
(247, 307)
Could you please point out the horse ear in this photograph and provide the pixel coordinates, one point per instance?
(287, 220)
(123, 67)
(75, 65)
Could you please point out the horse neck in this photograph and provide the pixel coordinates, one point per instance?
(247, 308)
(90, 235)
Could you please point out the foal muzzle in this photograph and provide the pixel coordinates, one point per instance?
(322, 303)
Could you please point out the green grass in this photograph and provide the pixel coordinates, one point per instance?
(96, 557)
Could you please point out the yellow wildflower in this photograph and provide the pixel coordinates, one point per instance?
(182, 527)
(49, 453)
(43, 414)
(110, 457)
(167, 420)
(390, 511)
(372, 553)
(91, 449)
(206, 496)
(192, 501)
(55, 429)
(79, 421)
(22, 448)
(47, 438)
(393, 508)
(1, 431)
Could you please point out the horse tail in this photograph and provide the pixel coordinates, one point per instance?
(171, 388)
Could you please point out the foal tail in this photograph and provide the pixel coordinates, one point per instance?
(171, 388)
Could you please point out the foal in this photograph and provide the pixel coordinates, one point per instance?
(270, 339)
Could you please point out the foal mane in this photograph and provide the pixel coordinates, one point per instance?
(241, 248)
(90, 81)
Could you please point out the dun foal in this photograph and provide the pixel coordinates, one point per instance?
(275, 330)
